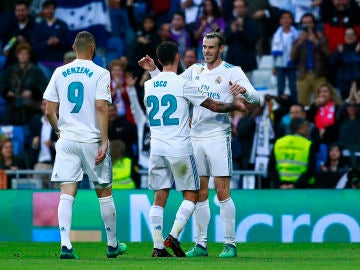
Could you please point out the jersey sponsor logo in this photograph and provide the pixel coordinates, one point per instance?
(77, 70)
(205, 90)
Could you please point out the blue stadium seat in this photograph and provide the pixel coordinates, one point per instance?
(114, 49)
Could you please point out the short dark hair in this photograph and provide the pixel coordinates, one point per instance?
(84, 40)
(296, 123)
(217, 35)
(166, 52)
(180, 13)
(48, 3)
(23, 46)
(22, 2)
(308, 15)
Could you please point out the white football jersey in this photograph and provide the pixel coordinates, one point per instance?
(215, 84)
(167, 99)
(77, 86)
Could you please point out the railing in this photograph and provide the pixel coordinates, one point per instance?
(31, 174)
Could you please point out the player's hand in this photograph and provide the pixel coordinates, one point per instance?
(147, 63)
(101, 153)
(240, 104)
(236, 89)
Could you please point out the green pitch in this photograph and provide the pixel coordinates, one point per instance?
(45, 256)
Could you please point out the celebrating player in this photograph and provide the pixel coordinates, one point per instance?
(167, 99)
(82, 89)
(211, 137)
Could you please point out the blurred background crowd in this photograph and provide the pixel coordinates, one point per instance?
(311, 48)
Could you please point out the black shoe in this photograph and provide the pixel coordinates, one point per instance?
(174, 244)
(68, 253)
(161, 253)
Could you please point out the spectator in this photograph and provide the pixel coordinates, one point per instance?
(337, 16)
(209, 21)
(190, 58)
(298, 111)
(20, 29)
(349, 124)
(346, 62)
(8, 161)
(51, 39)
(284, 69)
(69, 57)
(42, 149)
(179, 33)
(241, 35)
(333, 169)
(323, 113)
(119, 95)
(22, 85)
(142, 44)
(121, 129)
(289, 166)
(268, 17)
(122, 166)
(311, 54)
(192, 10)
(142, 125)
(308, 6)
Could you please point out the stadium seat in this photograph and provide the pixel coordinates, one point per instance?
(114, 49)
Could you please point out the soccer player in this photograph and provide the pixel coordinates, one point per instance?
(167, 98)
(211, 137)
(81, 92)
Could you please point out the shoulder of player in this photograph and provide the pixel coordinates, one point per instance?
(228, 66)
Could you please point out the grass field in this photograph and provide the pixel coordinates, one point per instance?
(45, 256)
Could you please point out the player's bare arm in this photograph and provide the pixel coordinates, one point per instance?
(222, 107)
(51, 108)
(102, 116)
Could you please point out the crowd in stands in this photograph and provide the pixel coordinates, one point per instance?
(315, 46)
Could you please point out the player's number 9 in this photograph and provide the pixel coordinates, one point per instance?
(167, 100)
(76, 95)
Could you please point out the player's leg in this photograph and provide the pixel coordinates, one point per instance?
(186, 180)
(101, 176)
(160, 180)
(65, 209)
(66, 157)
(202, 208)
(227, 215)
(220, 159)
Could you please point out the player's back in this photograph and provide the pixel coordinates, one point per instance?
(168, 112)
(78, 85)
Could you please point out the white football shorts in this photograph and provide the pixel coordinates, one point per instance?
(73, 159)
(164, 171)
(213, 156)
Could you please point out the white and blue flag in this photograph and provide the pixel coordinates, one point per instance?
(85, 15)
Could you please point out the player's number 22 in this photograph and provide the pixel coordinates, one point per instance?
(76, 95)
(154, 103)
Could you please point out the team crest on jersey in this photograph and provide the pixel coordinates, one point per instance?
(218, 80)
(200, 70)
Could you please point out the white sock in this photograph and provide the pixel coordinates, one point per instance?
(202, 220)
(108, 215)
(65, 215)
(156, 215)
(227, 215)
(182, 216)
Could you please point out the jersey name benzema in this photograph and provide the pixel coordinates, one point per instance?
(167, 99)
(77, 86)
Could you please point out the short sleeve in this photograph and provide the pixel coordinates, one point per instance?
(51, 93)
(103, 91)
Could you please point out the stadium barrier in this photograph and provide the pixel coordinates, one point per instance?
(262, 216)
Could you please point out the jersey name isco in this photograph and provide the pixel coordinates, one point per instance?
(77, 70)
